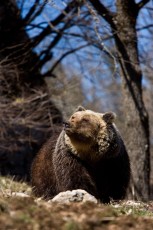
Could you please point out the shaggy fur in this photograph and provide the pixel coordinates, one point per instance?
(89, 154)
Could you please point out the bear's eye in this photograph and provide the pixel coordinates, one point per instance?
(85, 119)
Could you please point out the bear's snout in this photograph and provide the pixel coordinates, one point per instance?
(66, 124)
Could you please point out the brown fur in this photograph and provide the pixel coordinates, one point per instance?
(89, 154)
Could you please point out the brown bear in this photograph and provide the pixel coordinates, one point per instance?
(89, 154)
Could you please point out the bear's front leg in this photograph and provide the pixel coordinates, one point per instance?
(72, 174)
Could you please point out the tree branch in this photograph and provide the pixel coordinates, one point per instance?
(71, 6)
(38, 12)
(31, 11)
(145, 27)
(102, 11)
(141, 4)
(48, 54)
(39, 26)
(63, 56)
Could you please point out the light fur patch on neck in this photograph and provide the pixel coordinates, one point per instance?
(103, 141)
(77, 148)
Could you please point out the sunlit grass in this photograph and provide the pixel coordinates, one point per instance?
(8, 186)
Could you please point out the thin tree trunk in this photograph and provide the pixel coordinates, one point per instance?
(123, 24)
(136, 116)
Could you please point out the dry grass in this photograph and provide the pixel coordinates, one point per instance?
(27, 212)
(8, 187)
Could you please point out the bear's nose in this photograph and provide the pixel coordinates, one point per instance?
(66, 124)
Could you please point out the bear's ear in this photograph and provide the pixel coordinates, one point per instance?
(109, 117)
(80, 108)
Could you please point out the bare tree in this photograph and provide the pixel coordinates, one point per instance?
(123, 25)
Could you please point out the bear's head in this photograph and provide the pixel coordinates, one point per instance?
(87, 130)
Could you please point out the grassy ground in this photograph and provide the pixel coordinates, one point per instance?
(20, 210)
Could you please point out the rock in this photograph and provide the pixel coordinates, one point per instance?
(20, 194)
(78, 195)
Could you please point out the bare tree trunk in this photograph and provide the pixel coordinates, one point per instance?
(136, 116)
(123, 24)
